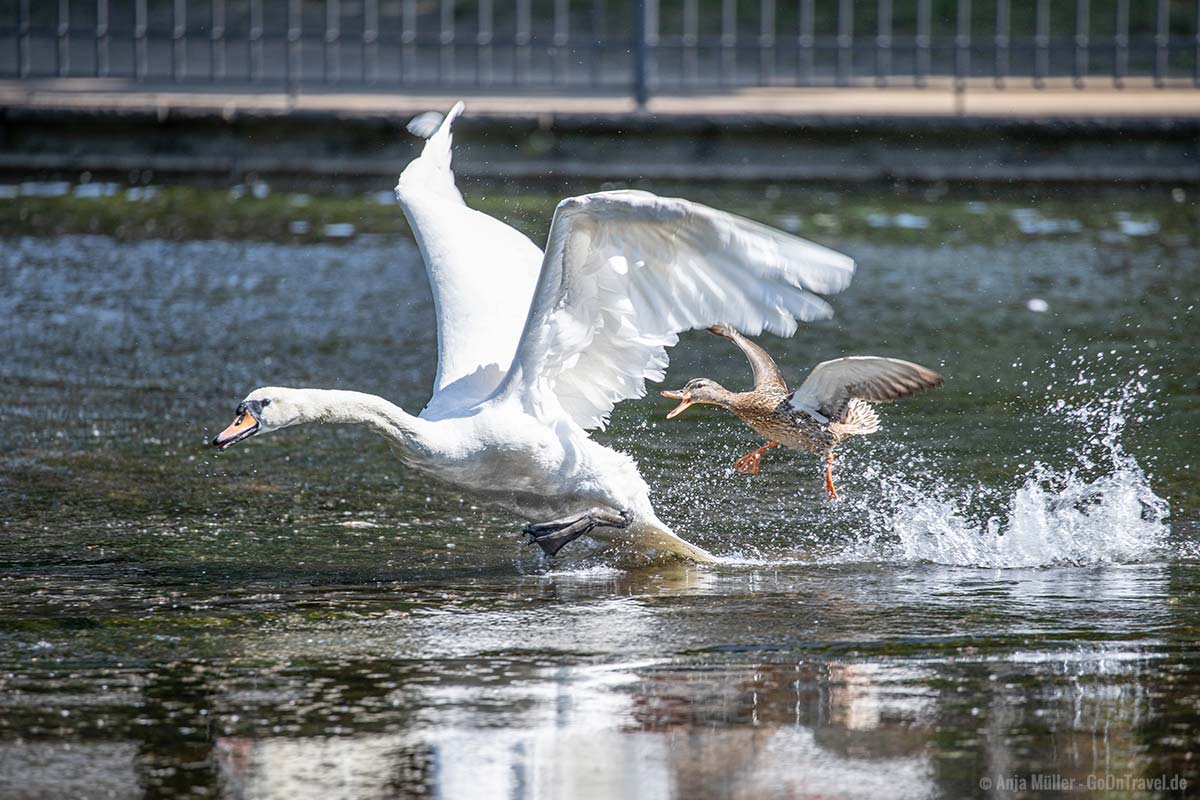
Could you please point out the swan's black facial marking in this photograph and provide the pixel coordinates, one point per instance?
(253, 407)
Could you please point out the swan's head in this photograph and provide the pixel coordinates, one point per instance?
(267, 409)
(699, 390)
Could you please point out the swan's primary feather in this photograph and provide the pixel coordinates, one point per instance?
(482, 273)
(425, 125)
(827, 391)
(626, 271)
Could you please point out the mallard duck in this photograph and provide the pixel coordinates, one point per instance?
(833, 402)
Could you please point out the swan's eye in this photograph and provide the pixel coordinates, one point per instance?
(253, 407)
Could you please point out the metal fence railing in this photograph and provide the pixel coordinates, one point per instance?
(641, 46)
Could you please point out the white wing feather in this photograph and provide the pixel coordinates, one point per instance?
(427, 124)
(625, 272)
(482, 273)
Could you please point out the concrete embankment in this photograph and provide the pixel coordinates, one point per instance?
(1056, 135)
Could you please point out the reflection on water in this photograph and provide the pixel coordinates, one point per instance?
(303, 618)
(826, 681)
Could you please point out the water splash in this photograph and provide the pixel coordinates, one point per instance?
(1099, 510)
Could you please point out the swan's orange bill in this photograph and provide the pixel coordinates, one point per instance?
(239, 429)
(679, 409)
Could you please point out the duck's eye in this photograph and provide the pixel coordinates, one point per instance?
(266, 403)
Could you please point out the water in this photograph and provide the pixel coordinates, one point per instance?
(1006, 593)
(1057, 516)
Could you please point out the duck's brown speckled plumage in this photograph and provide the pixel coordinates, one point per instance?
(771, 415)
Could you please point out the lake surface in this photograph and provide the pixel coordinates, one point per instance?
(1006, 598)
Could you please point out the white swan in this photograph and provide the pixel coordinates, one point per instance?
(534, 350)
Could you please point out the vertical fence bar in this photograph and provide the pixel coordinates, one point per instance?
(883, 43)
(331, 52)
(1041, 43)
(62, 56)
(638, 45)
(845, 41)
(807, 44)
(653, 29)
(1162, 43)
(292, 74)
(728, 68)
(408, 41)
(24, 65)
(560, 41)
(370, 41)
(599, 40)
(522, 41)
(691, 38)
(446, 41)
(1083, 28)
(1001, 41)
(178, 42)
(255, 35)
(766, 41)
(1121, 43)
(924, 15)
(141, 47)
(101, 38)
(216, 41)
(483, 43)
(1196, 48)
(962, 46)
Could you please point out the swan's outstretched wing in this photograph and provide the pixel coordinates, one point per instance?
(482, 273)
(625, 272)
(829, 388)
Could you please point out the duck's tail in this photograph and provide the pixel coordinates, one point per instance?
(860, 419)
(430, 173)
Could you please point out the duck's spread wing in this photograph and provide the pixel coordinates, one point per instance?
(829, 388)
(482, 273)
(625, 272)
(767, 375)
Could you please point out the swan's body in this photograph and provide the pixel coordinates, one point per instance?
(534, 350)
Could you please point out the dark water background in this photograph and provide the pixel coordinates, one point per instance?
(1000, 595)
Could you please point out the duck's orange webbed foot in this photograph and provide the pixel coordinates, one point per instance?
(829, 488)
(748, 464)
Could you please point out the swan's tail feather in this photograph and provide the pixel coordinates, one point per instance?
(431, 173)
(657, 542)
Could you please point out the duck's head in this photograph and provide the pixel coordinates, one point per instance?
(698, 390)
(266, 409)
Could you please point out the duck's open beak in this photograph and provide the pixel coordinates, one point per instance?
(245, 426)
(682, 396)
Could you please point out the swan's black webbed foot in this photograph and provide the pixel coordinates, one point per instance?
(552, 536)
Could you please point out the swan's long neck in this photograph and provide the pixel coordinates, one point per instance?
(385, 418)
